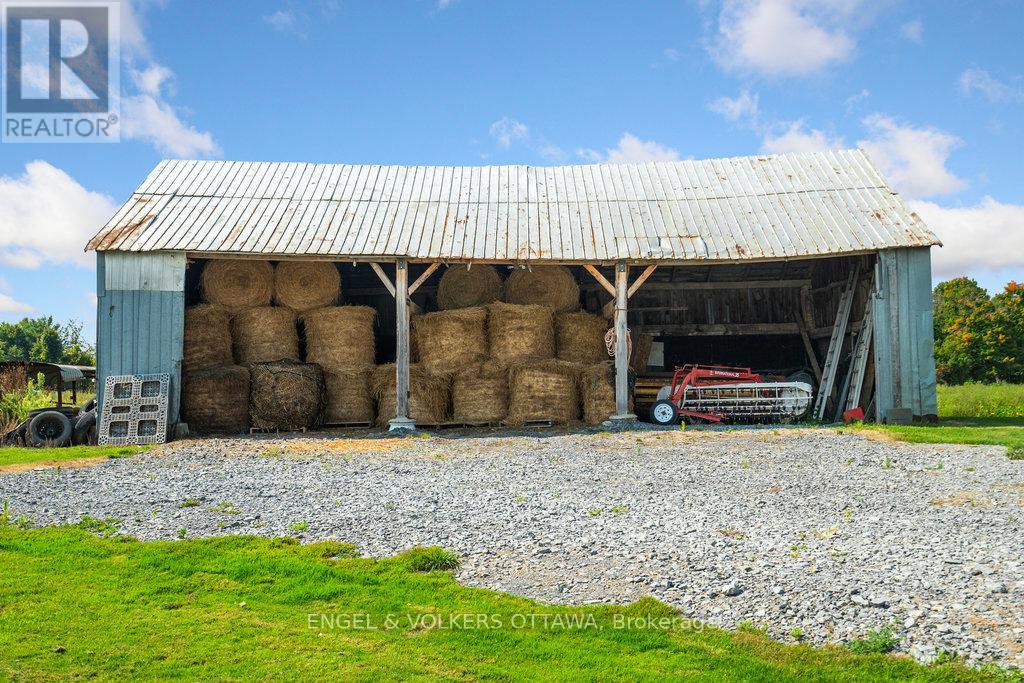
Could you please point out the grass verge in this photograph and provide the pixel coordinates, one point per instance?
(28, 456)
(77, 605)
(960, 431)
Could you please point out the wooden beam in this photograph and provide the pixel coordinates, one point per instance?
(383, 277)
(600, 279)
(809, 348)
(423, 278)
(749, 284)
(621, 343)
(719, 329)
(401, 419)
(640, 280)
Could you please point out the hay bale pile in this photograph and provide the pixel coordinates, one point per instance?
(597, 390)
(216, 399)
(551, 286)
(450, 340)
(207, 338)
(263, 334)
(340, 336)
(519, 333)
(428, 394)
(237, 283)
(285, 395)
(348, 396)
(305, 285)
(464, 287)
(543, 390)
(480, 394)
(579, 337)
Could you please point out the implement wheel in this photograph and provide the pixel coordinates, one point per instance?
(49, 428)
(664, 413)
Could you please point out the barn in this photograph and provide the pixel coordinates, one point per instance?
(778, 263)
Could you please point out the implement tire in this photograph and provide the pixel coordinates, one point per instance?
(49, 428)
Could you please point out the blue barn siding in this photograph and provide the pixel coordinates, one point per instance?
(140, 330)
(904, 335)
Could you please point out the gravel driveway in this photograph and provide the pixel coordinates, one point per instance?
(833, 534)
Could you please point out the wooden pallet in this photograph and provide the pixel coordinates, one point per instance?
(267, 430)
(541, 423)
(347, 425)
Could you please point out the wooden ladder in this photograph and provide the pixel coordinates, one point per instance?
(835, 347)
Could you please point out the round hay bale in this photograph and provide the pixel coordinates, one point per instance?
(543, 390)
(238, 283)
(597, 387)
(449, 340)
(552, 286)
(348, 395)
(464, 287)
(520, 333)
(480, 394)
(207, 341)
(264, 334)
(340, 336)
(579, 337)
(216, 399)
(304, 285)
(285, 394)
(428, 394)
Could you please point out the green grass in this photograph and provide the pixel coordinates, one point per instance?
(21, 456)
(980, 414)
(987, 402)
(75, 605)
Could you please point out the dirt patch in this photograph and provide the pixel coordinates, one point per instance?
(962, 498)
(49, 464)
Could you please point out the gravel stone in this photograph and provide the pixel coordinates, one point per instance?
(831, 532)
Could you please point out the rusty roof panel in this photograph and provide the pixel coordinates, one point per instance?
(741, 208)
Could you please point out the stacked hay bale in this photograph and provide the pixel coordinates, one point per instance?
(579, 337)
(216, 399)
(428, 394)
(552, 286)
(597, 391)
(238, 283)
(285, 395)
(340, 340)
(519, 333)
(480, 394)
(265, 333)
(207, 341)
(305, 285)
(465, 287)
(450, 340)
(543, 390)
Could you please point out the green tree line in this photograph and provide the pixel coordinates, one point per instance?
(978, 338)
(42, 339)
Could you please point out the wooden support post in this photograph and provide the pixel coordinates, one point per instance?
(621, 344)
(383, 277)
(423, 278)
(401, 420)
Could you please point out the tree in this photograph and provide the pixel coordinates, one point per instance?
(978, 338)
(41, 339)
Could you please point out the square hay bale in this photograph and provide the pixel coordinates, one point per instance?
(480, 394)
(543, 390)
(429, 394)
(579, 337)
(520, 333)
(207, 342)
(216, 399)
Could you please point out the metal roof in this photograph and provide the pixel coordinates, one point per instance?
(757, 208)
(54, 373)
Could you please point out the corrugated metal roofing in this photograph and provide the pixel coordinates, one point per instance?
(764, 207)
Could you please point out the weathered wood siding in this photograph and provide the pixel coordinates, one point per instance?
(140, 313)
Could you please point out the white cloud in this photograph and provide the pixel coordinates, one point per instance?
(630, 150)
(671, 54)
(47, 217)
(147, 114)
(742, 107)
(505, 131)
(912, 159)
(551, 152)
(913, 31)
(988, 236)
(795, 139)
(854, 100)
(783, 37)
(9, 305)
(995, 91)
(283, 21)
(444, 4)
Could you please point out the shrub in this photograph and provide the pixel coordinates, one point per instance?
(19, 395)
(420, 559)
(880, 642)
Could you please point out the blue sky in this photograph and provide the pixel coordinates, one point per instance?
(934, 91)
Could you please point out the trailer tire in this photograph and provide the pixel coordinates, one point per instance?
(49, 428)
(664, 413)
(86, 420)
(90, 405)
